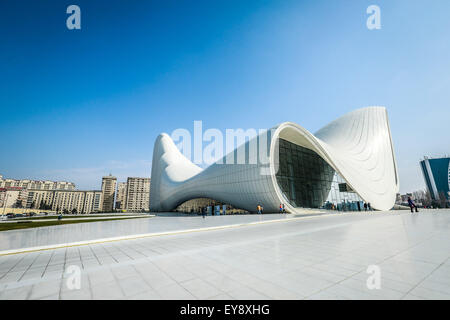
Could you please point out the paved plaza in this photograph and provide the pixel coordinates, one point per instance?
(235, 257)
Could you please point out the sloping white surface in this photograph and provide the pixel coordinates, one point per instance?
(358, 146)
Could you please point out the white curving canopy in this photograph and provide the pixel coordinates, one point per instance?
(358, 146)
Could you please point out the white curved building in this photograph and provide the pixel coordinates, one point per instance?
(346, 163)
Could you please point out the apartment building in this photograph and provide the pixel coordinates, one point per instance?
(12, 197)
(138, 194)
(59, 200)
(40, 199)
(36, 184)
(81, 201)
(108, 193)
(121, 197)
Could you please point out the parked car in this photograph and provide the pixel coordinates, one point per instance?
(19, 215)
(10, 215)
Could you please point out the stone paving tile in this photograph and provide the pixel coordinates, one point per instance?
(100, 276)
(201, 289)
(383, 292)
(133, 285)
(438, 286)
(45, 289)
(20, 293)
(174, 291)
(223, 282)
(76, 294)
(158, 279)
(247, 293)
(396, 285)
(177, 273)
(326, 295)
(274, 291)
(12, 276)
(348, 293)
(222, 296)
(149, 294)
(429, 294)
(107, 291)
(412, 297)
(123, 271)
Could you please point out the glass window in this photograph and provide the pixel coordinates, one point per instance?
(308, 181)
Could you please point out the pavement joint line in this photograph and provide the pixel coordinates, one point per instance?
(157, 234)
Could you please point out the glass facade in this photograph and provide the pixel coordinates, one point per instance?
(308, 181)
(438, 171)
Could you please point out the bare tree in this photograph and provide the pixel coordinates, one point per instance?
(442, 200)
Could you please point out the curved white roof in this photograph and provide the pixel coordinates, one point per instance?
(358, 146)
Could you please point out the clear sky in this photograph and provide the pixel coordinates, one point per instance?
(79, 104)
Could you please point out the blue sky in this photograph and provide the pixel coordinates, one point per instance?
(79, 104)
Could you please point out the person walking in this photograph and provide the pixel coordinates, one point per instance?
(365, 206)
(369, 207)
(203, 213)
(262, 209)
(412, 205)
(258, 209)
(281, 208)
(284, 209)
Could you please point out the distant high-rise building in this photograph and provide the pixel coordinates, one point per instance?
(36, 184)
(138, 194)
(81, 201)
(61, 200)
(121, 197)
(108, 192)
(436, 173)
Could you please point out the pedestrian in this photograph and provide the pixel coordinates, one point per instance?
(365, 206)
(281, 208)
(203, 212)
(412, 205)
(262, 209)
(258, 209)
(284, 209)
(369, 207)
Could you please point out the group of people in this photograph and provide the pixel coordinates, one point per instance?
(367, 206)
(260, 208)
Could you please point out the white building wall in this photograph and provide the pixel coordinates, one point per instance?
(358, 146)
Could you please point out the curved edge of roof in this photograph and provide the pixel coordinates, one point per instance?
(357, 145)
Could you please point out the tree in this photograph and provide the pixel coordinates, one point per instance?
(428, 199)
(442, 200)
(422, 196)
(65, 211)
(74, 211)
